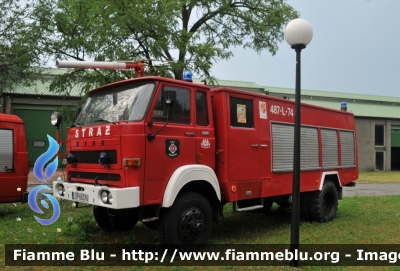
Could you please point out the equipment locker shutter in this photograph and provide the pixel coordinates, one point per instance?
(330, 157)
(283, 142)
(6, 149)
(282, 147)
(309, 148)
(348, 150)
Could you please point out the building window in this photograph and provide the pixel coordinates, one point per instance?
(39, 143)
(379, 135)
(379, 160)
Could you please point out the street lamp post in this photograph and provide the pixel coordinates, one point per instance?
(298, 35)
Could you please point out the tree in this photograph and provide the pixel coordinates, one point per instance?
(15, 56)
(170, 35)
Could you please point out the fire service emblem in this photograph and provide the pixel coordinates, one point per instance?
(172, 147)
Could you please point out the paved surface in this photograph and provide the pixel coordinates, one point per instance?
(360, 190)
(369, 189)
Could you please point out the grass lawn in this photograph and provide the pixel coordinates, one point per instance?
(360, 220)
(379, 177)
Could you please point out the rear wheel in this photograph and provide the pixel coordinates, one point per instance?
(153, 225)
(323, 204)
(188, 221)
(121, 220)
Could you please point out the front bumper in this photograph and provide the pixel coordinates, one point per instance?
(87, 193)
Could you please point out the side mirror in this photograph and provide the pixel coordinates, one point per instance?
(168, 99)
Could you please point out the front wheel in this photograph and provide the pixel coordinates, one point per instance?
(121, 220)
(323, 204)
(187, 222)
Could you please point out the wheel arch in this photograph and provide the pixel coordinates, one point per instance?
(196, 178)
(332, 176)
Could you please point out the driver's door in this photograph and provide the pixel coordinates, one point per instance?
(174, 143)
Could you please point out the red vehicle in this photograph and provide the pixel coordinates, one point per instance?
(14, 163)
(171, 153)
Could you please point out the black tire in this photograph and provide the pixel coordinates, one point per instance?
(284, 204)
(123, 219)
(153, 225)
(323, 204)
(267, 206)
(102, 218)
(187, 222)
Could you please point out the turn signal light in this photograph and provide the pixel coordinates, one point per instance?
(131, 162)
(199, 158)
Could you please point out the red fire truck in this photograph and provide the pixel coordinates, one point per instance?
(14, 163)
(171, 153)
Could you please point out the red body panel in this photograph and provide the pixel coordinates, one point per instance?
(241, 166)
(13, 183)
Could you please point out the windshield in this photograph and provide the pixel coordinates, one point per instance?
(128, 103)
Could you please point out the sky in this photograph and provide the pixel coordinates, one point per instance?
(355, 49)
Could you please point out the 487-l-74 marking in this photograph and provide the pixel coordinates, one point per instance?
(280, 110)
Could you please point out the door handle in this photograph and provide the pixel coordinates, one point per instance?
(254, 145)
(189, 133)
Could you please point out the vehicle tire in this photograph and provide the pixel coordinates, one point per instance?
(323, 204)
(267, 206)
(284, 204)
(187, 222)
(123, 220)
(102, 218)
(153, 225)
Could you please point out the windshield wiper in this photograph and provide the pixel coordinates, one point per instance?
(98, 120)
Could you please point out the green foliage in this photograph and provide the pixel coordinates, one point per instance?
(81, 228)
(15, 54)
(169, 35)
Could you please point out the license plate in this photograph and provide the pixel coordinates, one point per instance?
(80, 196)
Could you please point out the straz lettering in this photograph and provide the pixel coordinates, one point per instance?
(99, 131)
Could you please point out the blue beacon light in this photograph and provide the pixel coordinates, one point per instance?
(187, 76)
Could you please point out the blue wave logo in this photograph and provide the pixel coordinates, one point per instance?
(33, 204)
(44, 158)
(49, 172)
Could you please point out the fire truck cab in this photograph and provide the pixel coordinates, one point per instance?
(171, 153)
(14, 164)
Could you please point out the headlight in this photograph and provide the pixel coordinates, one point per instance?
(110, 198)
(102, 158)
(61, 190)
(104, 196)
(70, 158)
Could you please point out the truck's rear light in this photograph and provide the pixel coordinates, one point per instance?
(199, 158)
(131, 162)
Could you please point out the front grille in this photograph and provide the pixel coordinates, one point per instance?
(94, 175)
(92, 157)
